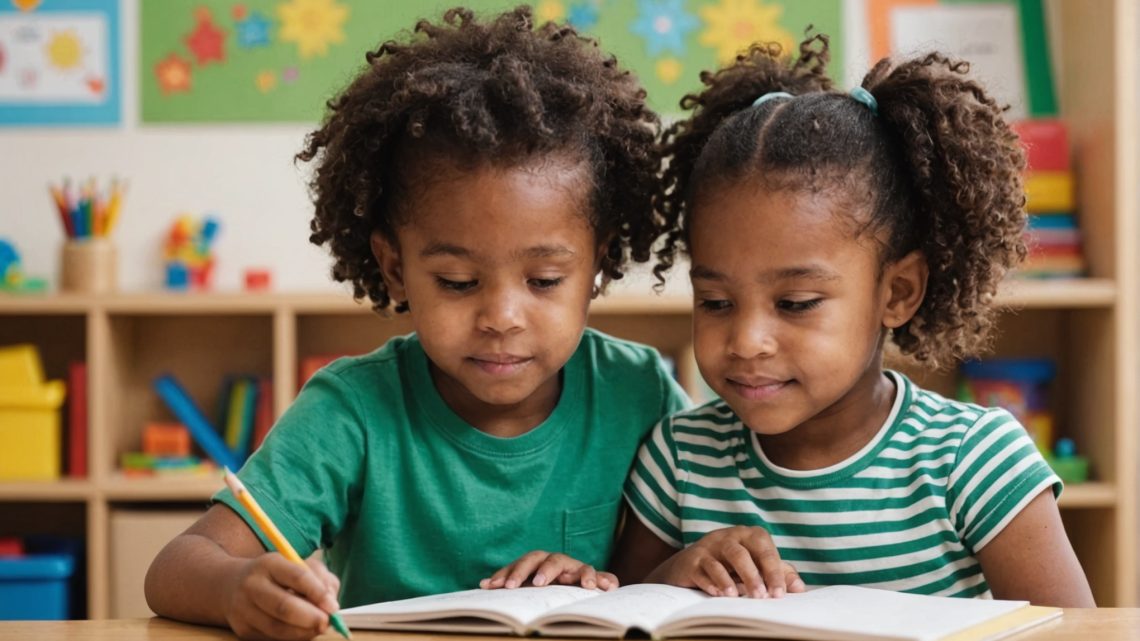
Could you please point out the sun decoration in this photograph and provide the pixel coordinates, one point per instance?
(663, 24)
(65, 51)
(550, 11)
(173, 73)
(312, 24)
(26, 5)
(733, 25)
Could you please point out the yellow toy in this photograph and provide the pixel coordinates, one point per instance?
(29, 417)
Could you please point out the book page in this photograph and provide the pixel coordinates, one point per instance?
(516, 608)
(840, 612)
(633, 606)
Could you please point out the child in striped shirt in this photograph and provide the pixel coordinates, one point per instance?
(820, 225)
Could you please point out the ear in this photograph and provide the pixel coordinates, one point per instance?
(391, 267)
(904, 286)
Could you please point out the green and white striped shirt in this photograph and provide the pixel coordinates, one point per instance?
(907, 512)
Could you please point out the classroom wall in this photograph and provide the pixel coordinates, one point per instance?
(243, 172)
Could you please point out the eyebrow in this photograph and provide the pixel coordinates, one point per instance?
(538, 251)
(801, 272)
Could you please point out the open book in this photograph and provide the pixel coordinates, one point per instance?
(662, 611)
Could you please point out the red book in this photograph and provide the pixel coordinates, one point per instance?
(1046, 144)
(77, 419)
(263, 415)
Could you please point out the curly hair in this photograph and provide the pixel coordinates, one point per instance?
(938, 169)
(503, 92)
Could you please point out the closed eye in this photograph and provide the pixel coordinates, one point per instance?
(799, 306)
(713, 304)
(455, 285)
(545, 283)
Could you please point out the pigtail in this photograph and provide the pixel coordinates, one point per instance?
(964, 167)
(759, 70)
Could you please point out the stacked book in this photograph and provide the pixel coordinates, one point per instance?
(1052, 235)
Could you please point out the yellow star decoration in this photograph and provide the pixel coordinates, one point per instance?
(550, 11)
(64, 50)
(312, 24)
(733, 25)
(668, 70)
(266, 81)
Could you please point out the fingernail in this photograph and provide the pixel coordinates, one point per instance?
(730, 592)
(511, 583)
(539, 579)
(589, 584)
(484, 583)
(798, 585)
(777, 593)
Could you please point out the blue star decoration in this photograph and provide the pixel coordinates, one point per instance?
(253, 32)
(583, 15)
(663, 24)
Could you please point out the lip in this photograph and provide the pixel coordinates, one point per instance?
(758, 388)
(500, 364)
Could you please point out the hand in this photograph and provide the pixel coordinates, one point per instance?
(545, 568)
(274, 598)
(730, 562)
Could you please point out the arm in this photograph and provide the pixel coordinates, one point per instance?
(1031, 559)
(638, 551)
(218, 573)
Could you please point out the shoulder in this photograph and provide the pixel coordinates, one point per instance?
(374, 375)
(707, 429)
(930, 412)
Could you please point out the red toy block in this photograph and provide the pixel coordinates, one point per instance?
(166, 439)
(1046, 144)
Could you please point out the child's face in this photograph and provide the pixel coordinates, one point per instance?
(789, 306)
(498, 267)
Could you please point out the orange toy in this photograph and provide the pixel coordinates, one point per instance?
(166, 439)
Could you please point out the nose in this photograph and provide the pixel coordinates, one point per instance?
(501, 310)
(752, 336)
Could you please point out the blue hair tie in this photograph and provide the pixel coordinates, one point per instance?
(771, 95)
(862, 95)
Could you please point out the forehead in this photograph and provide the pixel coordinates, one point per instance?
(780, 227)
(491, 210)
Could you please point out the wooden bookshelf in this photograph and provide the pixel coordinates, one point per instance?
(1089, 326)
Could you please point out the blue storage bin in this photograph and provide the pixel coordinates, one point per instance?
(35, 587)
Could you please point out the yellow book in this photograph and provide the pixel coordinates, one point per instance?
(1049, 192)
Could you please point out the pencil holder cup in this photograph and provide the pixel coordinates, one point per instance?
(89, 266)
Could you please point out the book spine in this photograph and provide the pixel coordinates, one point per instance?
(77, 420)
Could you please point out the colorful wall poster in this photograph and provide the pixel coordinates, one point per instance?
(59, 62)
(281, 60)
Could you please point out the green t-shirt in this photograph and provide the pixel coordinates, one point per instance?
(407, 499)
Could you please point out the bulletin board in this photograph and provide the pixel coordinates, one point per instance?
(281, 60)
(59, 62)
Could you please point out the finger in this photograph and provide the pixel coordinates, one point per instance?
(792, 578)
(284, 607)
(719, 576)
(331, 581)
(553, 567)
(523, 568)
(704, 583)
(767, 558)
(741, 562)
(589, 577)
(268, 626)
(301, 580)
(497, 579)
(608, 581)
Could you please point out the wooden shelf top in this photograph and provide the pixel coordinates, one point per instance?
(194, 488)
(1089, 495)
(62, 490)
(1027, 294)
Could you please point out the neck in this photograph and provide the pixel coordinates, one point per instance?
(504, 421)
(840, 430)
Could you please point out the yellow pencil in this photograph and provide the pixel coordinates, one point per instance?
(275, 537)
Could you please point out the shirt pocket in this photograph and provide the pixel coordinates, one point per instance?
(588, 533)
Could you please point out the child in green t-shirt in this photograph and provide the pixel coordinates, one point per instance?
(488, 178)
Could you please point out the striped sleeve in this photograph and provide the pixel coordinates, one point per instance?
(997, 472)
(652, 487)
